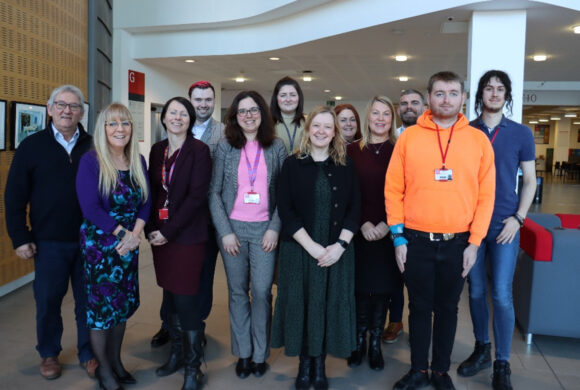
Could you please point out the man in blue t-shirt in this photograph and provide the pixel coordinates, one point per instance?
(514, 148)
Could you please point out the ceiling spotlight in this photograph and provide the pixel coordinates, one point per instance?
(274, 58)
(190, 61)
(401, 58)
(543, 120)
(307, 76)
(555, 118)
(327, 90)
(338, 98)
(572, 115)
(540, 57)
(576, 29)
(403, 78)
(533, 122)
(240, 78)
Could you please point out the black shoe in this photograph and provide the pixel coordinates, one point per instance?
(160, 338)
(477, 361)
(501, 375)
(441, 381)
(376, 360)
(356, 356)
(259, 369)
(244, 367)
(304, 377)
(193, 353)
(319, 380)
(126, 378)
(412, 380)
(101, 384)
(175, 360)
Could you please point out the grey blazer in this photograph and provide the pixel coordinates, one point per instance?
(224, 183)
(212, 134)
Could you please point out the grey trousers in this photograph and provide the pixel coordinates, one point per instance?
(252, 271)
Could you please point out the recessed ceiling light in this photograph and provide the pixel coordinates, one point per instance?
(274, 58)
(540, 57)
(327, 90)
(572, 115)
(576, 29)
(190, 61)
(533, 122)
(543, 120)
(307, 76)
(338, 98)
(403, 78)
(240, 79)
(555, 118)
(576, 122)
(401, 58)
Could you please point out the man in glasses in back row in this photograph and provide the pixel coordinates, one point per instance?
(42, 180)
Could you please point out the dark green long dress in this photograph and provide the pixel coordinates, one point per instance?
(315, 307)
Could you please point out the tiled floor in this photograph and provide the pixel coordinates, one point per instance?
(549, 363)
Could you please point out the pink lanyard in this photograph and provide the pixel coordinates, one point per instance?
(164, 181)
(253, 171)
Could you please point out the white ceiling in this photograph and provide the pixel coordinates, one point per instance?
(360, 64)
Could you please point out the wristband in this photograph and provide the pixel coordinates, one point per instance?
(342, 243)
(519, 219)
(121, 233)
(397, 235)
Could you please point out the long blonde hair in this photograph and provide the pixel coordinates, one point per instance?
(337, 147)
(108, 173)
(366, 131)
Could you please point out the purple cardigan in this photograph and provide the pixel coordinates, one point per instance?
(95, 207)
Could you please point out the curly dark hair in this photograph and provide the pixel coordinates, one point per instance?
(234, 133)
(484, 80)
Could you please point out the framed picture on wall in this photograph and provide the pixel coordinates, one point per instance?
(2, 124)
(27, 119)
(542, 134)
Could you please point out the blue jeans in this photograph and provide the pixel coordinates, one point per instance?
(502, 263)
(55, 264)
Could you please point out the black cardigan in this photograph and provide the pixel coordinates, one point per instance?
(43, 175)
(296, 188)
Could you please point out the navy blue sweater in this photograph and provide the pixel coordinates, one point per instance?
(42, 175)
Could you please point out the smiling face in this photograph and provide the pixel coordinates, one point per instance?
(493, 96)
(176, 120)
(321, 131)
(445, 99)
(380, 120)
(347, 123)
(410, 107)
(118, 133)
(249, 121)
(66, 120)
(288, 99)
(203, 101)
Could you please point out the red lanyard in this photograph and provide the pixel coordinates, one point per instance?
(164, 181)
(444, 155)
(495, 135)
(253, 171)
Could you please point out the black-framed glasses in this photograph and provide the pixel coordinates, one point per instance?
(73, 106)
(252, 111)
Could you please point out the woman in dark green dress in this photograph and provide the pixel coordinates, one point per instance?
(319, 205)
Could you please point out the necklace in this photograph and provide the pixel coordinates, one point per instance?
(377, 150)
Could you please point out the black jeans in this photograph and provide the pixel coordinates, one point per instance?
(434, 283)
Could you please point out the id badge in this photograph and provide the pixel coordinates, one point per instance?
(251, 198)
(443, 174)
(163, 213)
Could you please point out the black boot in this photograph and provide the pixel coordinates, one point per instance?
(192, 360)
(304, 378)
(175, 361)
(376, 361)
(477, 361)
(501, 376)
(319, 379)
(362, 325)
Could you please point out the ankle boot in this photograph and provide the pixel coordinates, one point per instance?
(477, 361)
(193, 352)
(319, 379)
(304, 378)
(501, 376)
(175, 360)
(376, 361)
(363, 304)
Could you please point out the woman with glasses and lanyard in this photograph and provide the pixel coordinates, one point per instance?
(180, 172)
(287, 109)
(113, 193)
(242, 201)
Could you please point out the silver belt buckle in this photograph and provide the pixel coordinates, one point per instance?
(448, 236)
(432, 237)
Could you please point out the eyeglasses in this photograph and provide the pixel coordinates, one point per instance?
(252, 111)
(125, 124)
(62, 106)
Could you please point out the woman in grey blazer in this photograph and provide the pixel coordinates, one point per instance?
(243, 207)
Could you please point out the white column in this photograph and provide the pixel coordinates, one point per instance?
(497, 40)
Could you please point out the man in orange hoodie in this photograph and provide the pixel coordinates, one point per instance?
(439, 196)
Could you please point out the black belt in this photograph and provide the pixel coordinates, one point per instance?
(437, 236)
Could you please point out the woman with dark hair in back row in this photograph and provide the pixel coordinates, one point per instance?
(242, 201)
(287, 109)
